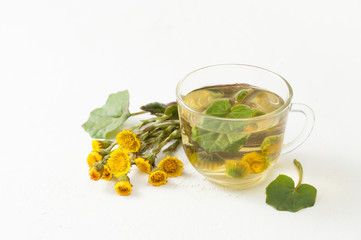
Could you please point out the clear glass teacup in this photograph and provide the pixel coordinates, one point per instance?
(233, 118)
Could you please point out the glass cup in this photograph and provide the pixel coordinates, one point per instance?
(226, 149)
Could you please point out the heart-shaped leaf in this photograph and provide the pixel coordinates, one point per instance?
(240, 111)
(219, 142)
(284, 196)
(105, 122)
(223, 108)
(219, 108)
(216, 135)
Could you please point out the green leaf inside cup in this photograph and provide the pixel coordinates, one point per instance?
(217, 135)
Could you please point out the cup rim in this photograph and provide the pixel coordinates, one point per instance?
(276, 112)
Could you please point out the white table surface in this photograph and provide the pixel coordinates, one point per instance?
(61, 59)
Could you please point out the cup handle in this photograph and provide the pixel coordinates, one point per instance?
(307, 127)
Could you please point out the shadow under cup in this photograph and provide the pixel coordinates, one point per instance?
(235, 152)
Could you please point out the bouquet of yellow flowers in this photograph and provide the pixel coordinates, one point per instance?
(116, 150)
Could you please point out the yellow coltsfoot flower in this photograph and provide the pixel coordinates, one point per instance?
(100, 144)
(157, 178)
(128, 141)
(94, 157)
(107, 175)
(172, 166)
(123, 187)
(96, 171)
(97, 145)
(118, 163)
(257, 162)
(143, 165)
(237, 169)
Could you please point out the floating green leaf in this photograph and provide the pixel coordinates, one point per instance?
(216, 125)
(284, 196)
(240, 111)
(219, 142)
(219, 108)
(216, 135)
(223, 109)
(105, 122)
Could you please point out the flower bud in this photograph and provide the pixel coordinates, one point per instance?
(123, 186)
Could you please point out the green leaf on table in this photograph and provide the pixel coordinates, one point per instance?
(284, 196)
(154, 107)
(105, 122)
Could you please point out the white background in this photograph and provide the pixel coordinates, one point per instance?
(61, 59)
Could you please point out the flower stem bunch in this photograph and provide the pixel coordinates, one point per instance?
(140, 145)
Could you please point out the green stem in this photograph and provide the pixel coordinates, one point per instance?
(159, 134)
(151, 159)
(124, 178)
(300, 171)
(173, 146)
(157, 119)
(111, 146)
(105, 159)
(167, 123)
(138, 113)
(173, 135)
(143, 135)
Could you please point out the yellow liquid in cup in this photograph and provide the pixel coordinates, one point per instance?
(233, 154)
